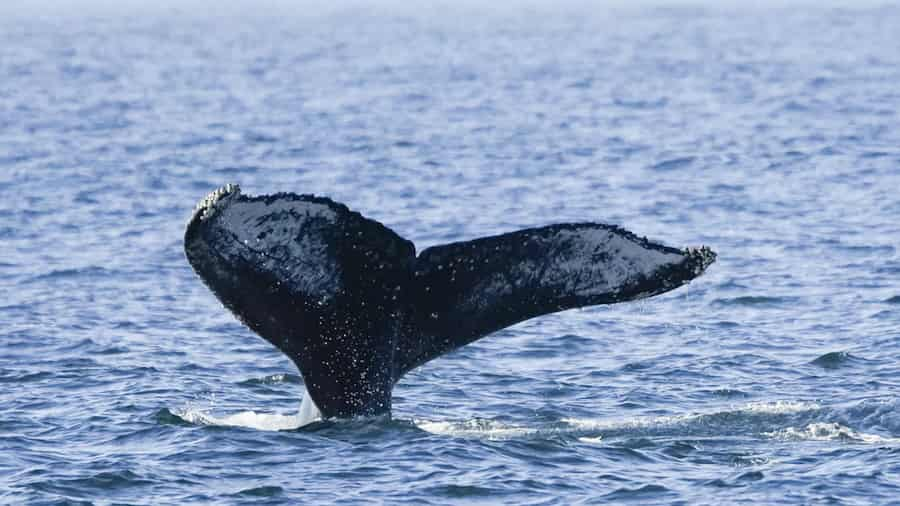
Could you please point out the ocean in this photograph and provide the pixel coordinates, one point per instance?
(769, 133)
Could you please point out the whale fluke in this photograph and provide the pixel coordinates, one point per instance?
(466, 290)
(351, 304)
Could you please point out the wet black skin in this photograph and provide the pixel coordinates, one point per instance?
(383, 310)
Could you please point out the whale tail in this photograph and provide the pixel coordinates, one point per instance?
(348, 300)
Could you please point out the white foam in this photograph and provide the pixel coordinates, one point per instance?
(751, 409)
(307, 414)
(591, 430)
(477, 428)
(780, 407)
(596, 431)
(829, 431)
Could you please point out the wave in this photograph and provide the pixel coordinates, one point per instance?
(796, 420)
(690, 424)
(829, 431)
(91, 271)
(756, 301)
(838, 359)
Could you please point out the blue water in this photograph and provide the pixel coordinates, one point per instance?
(771, 134)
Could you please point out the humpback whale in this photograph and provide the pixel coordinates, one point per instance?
(353, 306)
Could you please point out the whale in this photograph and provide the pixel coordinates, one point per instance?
(354, 306)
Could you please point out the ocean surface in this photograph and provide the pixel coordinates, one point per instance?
(769, 133)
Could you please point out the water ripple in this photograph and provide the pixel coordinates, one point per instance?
(772, 376)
